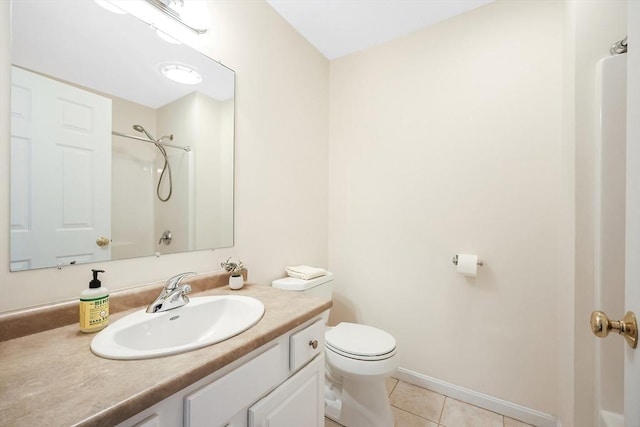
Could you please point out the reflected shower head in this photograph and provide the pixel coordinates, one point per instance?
(167, 167)
(139, 128)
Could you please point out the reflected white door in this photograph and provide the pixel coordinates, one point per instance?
(60, 173)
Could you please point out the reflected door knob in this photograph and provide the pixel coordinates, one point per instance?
(627, 327)
(103, 241)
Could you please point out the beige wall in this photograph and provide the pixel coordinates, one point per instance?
(565, 310)
(450, 141)
(280, 177)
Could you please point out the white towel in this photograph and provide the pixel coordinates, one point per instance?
(305, 272)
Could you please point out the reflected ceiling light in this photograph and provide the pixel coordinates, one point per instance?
(110, 7)
(181, 74)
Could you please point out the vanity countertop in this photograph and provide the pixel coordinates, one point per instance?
(53, 378)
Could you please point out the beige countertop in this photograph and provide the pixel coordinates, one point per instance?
(53, 378)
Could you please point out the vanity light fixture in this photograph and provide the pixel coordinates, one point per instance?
(172, 8)
(178, 19)
(181, 74)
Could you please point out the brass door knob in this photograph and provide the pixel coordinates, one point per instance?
(627, 327)
(103, 241)
(314, 344)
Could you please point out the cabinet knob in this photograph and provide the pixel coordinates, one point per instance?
(314, 344)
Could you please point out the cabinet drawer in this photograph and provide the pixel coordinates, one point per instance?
(298, 402)
(215, 403)
(306, 344)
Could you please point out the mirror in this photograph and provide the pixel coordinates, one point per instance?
(87, 183)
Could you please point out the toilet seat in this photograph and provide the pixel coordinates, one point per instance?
(360, 342)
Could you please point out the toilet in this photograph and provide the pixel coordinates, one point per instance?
(358, 359)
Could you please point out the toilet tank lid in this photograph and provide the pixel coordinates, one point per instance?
(294, 284)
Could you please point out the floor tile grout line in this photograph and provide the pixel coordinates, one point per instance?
(410, 411)
(394, 386)
(444, 401)
(415, 415)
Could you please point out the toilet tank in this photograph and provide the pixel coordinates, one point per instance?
(320, 286)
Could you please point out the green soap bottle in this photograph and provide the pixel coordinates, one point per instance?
(94, 305)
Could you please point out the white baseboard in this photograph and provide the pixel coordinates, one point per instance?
(509, 409)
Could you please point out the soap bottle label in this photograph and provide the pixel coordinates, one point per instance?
(94, 313)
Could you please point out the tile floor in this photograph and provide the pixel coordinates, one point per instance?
(414, 406)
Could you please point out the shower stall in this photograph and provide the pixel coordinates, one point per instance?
(172, 176)
(610, 231)
(152, 184)
(157, 182)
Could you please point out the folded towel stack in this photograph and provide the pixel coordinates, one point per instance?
(305, 272)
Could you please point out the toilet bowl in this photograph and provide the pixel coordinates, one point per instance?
(358, 359)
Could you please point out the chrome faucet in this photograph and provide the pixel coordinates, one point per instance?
(173, 295)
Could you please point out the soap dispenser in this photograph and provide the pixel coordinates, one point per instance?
(94, 305)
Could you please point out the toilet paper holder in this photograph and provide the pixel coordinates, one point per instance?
(455, 261)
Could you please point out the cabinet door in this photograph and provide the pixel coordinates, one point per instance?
(299, 401)
(214, 404)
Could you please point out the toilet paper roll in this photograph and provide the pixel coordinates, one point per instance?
(468, 264)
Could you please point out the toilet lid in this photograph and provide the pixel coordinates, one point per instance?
(360, 341)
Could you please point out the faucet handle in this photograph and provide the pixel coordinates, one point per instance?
(173, 282)
(180, 294)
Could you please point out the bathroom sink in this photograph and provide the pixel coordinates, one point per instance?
(202, 322)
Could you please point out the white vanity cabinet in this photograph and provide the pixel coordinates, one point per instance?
(280, 384)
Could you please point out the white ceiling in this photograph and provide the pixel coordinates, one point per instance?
(340, 27)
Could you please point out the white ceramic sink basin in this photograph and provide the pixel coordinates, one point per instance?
(202, 322)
